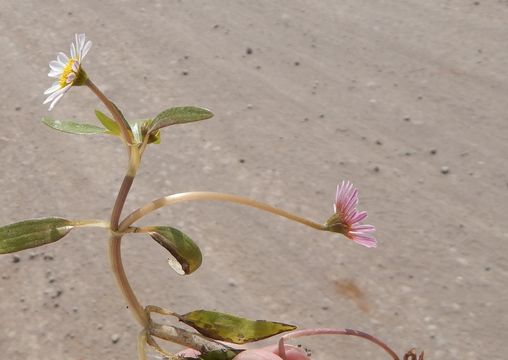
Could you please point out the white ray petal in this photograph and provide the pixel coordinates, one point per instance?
(86, 49)
(55, 101)
(62, 58)
(81, 38)
(53, 88)
(55, 73)
(55, 65)
(73, 51)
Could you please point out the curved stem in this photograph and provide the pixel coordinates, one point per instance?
(207, 195)
(115, 242)
(115, 258)
(166, 355)
(325, 331)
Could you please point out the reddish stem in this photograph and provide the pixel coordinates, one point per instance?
(328, 331)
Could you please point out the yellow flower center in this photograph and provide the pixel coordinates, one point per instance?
(66, 72)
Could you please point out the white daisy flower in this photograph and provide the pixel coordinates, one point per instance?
(67, 70)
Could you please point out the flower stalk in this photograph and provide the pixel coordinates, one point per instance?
(328, 331)
(213, 196)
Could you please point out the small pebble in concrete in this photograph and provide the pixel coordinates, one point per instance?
(445, 170)
(48, 257)
(115, 338)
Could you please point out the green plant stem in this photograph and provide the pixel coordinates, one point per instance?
(126, 134)
(115, 241)
(206, 195)
(91, 223)
(141, 345)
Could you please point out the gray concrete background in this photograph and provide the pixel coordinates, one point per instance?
(353, 89)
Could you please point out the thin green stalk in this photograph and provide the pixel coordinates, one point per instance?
(115, 255)
(115, 241)
(207, 196)
(91, 223)
(141, 345)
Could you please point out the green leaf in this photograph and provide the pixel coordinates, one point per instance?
(32, 233)
(187, 257)
(108, 123)
(179, 115)
(218, 355)
(226, 327)
(73, 127)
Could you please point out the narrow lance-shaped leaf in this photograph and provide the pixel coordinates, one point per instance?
(187, 257)
(32, 233)
(226, 327)
(72, 127)
(179, 115)
(108, 123)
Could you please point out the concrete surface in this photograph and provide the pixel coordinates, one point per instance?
(383, 93)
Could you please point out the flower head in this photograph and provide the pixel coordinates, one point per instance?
(347, 218)
(67, 70)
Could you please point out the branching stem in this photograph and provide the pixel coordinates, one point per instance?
(115, 239)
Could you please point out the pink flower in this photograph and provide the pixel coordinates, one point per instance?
(347, 218)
